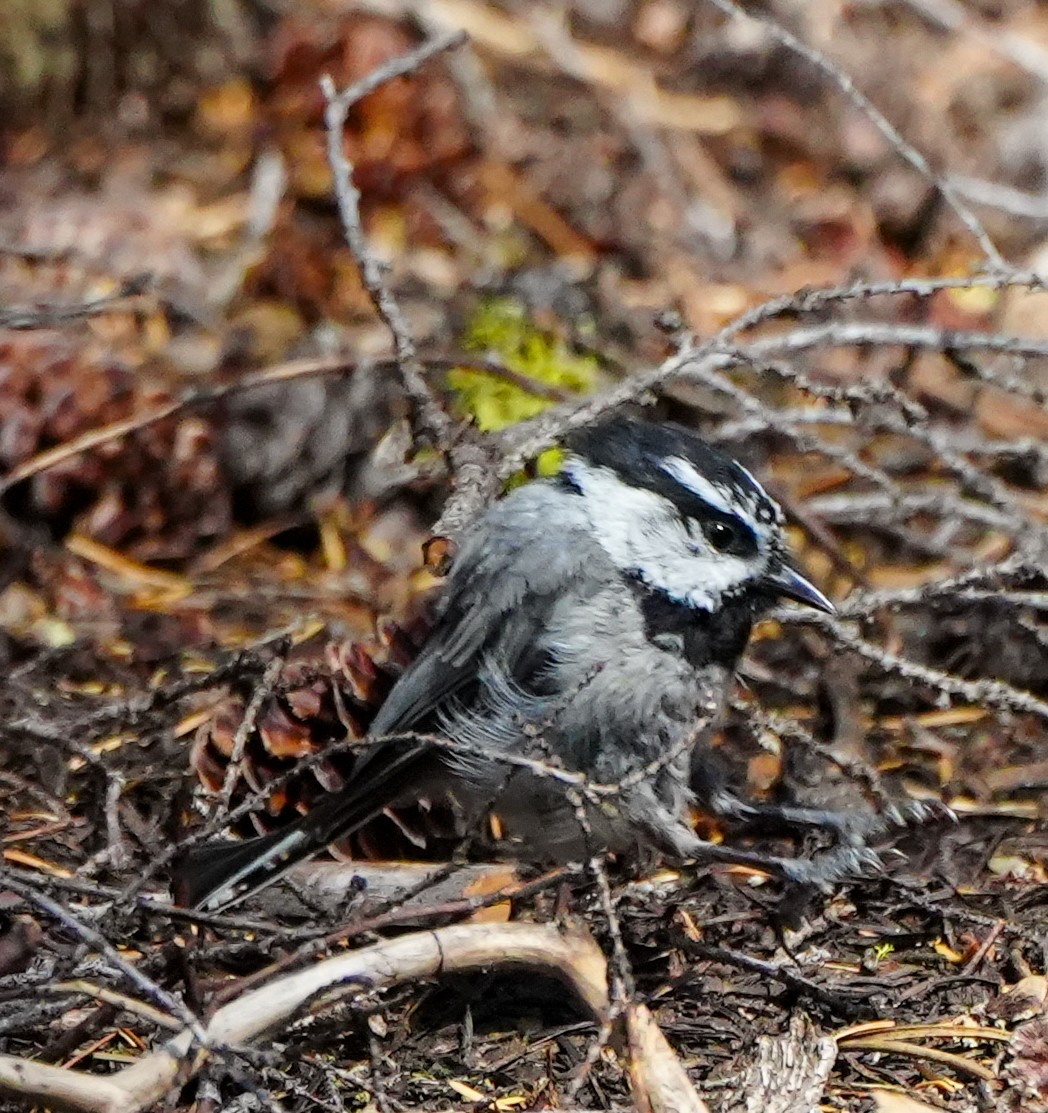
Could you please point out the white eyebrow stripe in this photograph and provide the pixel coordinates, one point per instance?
(685, 474)
(756, 486)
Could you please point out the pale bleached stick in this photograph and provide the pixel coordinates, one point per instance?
(568, 952)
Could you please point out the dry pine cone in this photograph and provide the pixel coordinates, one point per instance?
(322, 706)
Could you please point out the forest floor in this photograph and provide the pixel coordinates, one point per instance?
(810, 230)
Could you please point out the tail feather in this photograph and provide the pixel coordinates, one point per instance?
(217, 875)
(214, 877)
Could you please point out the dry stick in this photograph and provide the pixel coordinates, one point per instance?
(521, 442)
(862, 334)
(813, 300)
(976, 584)
(951, 15)
(911, 421)
(863, 103)
(147, 905)
(48, 316)
(1001, 196)
(291, 371)
(782, 726)
(623, 998)
(994, 693)
(787, 972)
(263, 690)
(81, 987)
(623, 991)
(174, 1005)
(659, 1082)
(93, 438)
(430, 423)
(399, 917)
(882, 507)
(959, 1063)
(570, 953)
(529, 438)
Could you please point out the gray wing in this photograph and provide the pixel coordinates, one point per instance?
(503, 585)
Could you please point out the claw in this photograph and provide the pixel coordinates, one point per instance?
(895, 816)
(920, 812)
(868, 860)
(834, 865)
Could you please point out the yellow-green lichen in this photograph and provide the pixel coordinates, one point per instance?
(501, 328)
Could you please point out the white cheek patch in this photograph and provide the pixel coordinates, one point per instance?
(642, 533)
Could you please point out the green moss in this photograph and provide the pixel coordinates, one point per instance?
(501, 328)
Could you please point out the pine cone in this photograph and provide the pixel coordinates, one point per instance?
(322, 705)
(156, 494)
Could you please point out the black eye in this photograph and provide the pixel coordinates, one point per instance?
(721, 536)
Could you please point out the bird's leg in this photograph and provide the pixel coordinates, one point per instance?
(853, 828)
(850, 858)
(822, 870)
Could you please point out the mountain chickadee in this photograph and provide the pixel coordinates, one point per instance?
(587, 635)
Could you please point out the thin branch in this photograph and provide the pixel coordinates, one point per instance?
(431, 425)
(991, 693)
(861, 334)
(167, 1001)
(892, 134)
(197, 398)
(263, 691)
(1003, 197)
(813, 300)
(51, 316)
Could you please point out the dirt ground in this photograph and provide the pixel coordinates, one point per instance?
(246, 405)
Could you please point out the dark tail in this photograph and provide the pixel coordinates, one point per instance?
(219, 875)
(216, 875)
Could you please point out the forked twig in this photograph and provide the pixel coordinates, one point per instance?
(430, 423)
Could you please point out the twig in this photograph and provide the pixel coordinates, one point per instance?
(994, 693)
(263, 691)
(1003, 197)
(198, 398)
(843, 1001)
(172, 1004)
(119, 1000)
(814, 300)
(878, 334)
(50, 316)
(863, 103)
(1022, 50)
(960, 1063)
(402, 914)
(659, 1081)
(431, 425)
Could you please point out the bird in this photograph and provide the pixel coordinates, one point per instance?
(584, 646)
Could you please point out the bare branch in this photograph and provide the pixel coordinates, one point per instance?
(167, 1001)
(863, 103)
(814, 300)
(981, 693)
(431, 425)
(51, 316)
